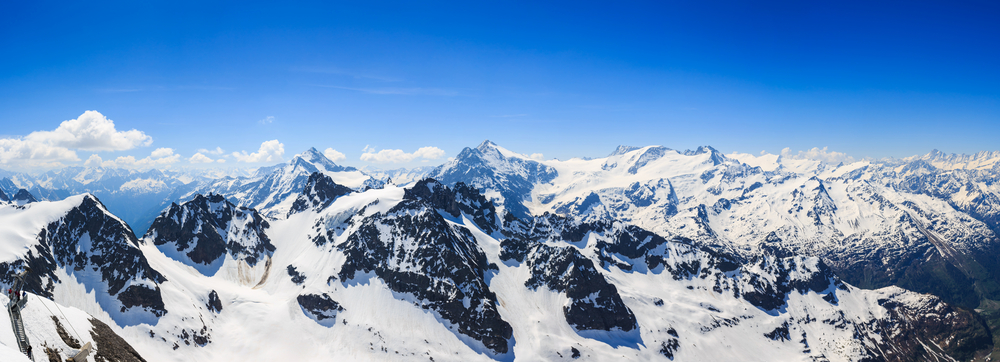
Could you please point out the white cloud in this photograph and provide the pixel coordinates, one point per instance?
(93, 161)
(221, 160)
(121, 161)
(216, 151)
(162, 152)
(818, 154)
(334, 155)
(536, 156)
(429, 153)
(92, 131)
(33, 153)
(159, 157)
(398, 156)
(266, 120)
(164, 156)
(270, 151)
(200, 158)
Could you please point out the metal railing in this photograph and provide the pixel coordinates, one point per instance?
(14, 309)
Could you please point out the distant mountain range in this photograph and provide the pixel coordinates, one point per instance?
(649, 253)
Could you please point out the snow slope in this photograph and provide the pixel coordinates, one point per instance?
(862, 218)
(443, 259)
(648, 254)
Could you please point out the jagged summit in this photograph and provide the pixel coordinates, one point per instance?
(312, 152)
(648, 254)
(314, 160)
(208, 230)
(272, 190)
(486, 144)
(23, 197)
(623, 149)
(717, 157)
(77, 240)
(492, 167)
(320, 191)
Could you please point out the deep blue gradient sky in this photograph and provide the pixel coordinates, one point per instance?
(875, 79)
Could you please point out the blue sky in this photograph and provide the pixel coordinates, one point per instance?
(562, 79)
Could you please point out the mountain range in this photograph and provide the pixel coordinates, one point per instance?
(649, 253)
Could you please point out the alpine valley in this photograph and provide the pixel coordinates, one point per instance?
(648, 254)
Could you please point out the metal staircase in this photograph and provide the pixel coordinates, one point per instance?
(14, 309)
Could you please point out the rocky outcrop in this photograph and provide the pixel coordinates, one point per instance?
(102, 253)
(415, 251)
(594, 303)
(203, 230)
(320, 191)
(319, 306)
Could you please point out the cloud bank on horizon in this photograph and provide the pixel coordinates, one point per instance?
(94, 132)
(91, 131)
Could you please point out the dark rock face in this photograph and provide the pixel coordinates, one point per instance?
(319, 306)
(297, 277)
(594, 303)
(632, 248)
(667, 348)
(215, 227)
(88, 239)
(765, 281)
(928, 319)
(320, 191)
(110, 346)
(3, 196)
(200, 337)
(779, 334)
(64, 335)
(214, 303)
(23, 197)
(456, 200)
(415, 251)
(136, 296)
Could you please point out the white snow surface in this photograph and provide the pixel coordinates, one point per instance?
(808, 203)
(815, 208)
(37, 315)
(20, 224)
(262, 321)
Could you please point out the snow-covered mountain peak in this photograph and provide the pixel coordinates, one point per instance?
(493, 152)
(320, 191)
(75, 247)
(313, 160)
(439, 269)
(272, 190)
(715, 156)
(486, 144)
(491, 167)
(457, 200)
(983, 160)
(623, 149)
(209, 232)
